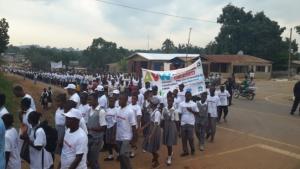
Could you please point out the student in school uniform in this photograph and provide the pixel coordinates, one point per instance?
(12, 152)
(25, 111)
(125, 132)
(84, 107)
(110, 133)
(187, 109)
(19, 92)
(96, 127)
(153, 139)
(146, 110)
(213, 102)
(75, 147)
(44, 99)
(71, 90)
(60, 120)
(3, 110)
(169, 117)
(223, 107)
(138, 114)
(201, 120)
(40, 158)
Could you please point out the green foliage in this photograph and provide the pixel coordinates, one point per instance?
(102, 52)
(298, 29)
(254, 34)
(4, 38)
(11, 101)
(168, 46)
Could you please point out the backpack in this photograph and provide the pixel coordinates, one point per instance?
(51, 136)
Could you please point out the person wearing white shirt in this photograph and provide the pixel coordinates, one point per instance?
(213, 102)
(110, 133)
(125, 132)
(102, 99)
(75, 145)
(187, 111)
(12, 153)
(3, 110)
(19, 92)
(84, 107)
(153, 138)
(71, 89)
(96, 127)
(181, 93)
(40, 158)
(60, 120)
(223, 95)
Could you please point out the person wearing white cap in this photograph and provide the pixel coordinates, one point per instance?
(102, 99)
(75, 146)
(71, 89)
(116, 94)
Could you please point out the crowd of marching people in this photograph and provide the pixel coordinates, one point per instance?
(114, 111)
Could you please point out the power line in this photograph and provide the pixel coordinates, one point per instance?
(154, 12)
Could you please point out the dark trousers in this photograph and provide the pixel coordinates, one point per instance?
(230, 97)
(295, 105)
(123, 148)
(222, 109)
(187, 134)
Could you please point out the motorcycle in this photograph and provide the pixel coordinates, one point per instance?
(249, 94)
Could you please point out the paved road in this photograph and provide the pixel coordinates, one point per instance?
(260, 134)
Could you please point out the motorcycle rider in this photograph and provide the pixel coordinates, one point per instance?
(245, 85)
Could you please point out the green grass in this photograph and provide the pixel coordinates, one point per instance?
(11, 104)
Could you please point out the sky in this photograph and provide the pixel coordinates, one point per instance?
(75, 23)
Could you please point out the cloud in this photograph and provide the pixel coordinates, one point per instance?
(65, 23)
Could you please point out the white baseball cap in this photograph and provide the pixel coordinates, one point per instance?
(70, 86)
(100, 88)
(74, 113)
(116, 92)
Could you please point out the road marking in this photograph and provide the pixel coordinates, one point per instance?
(280, 151)
(259, 137)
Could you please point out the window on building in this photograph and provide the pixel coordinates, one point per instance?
(219, 67)
(260, 68)
(157, 66)
(240, 69)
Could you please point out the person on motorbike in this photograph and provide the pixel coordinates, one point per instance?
(245, 85)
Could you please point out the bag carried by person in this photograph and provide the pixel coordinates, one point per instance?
(51, 136)
(24, 153)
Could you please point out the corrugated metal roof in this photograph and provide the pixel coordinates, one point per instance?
(235, 59)
(162, 56)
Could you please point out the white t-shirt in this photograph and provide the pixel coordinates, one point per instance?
(136, 109)
(60, 119)
(74, 143)
(212, 104)
(32, 104)
(186, 116)
(82, 125)
(140, 100)
(102, 115)
(155, 116)
(75, 97)
(103, 101)
(39, 140)
(25, 117)
(84, 110)
(223, 97)
(181, 96)
(3, 111)
(125, 120)
(111, 117)
(12, 146)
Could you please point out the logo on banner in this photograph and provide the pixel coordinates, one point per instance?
(149, 77)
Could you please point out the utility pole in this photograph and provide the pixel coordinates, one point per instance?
(186, 63)
(290, 50)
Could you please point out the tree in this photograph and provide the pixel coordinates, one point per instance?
(254, 34)
(168, 46)
(102, 52)
(298, 29)
(4, 38)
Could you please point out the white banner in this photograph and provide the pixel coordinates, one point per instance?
(56, 65)
(192, 77)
